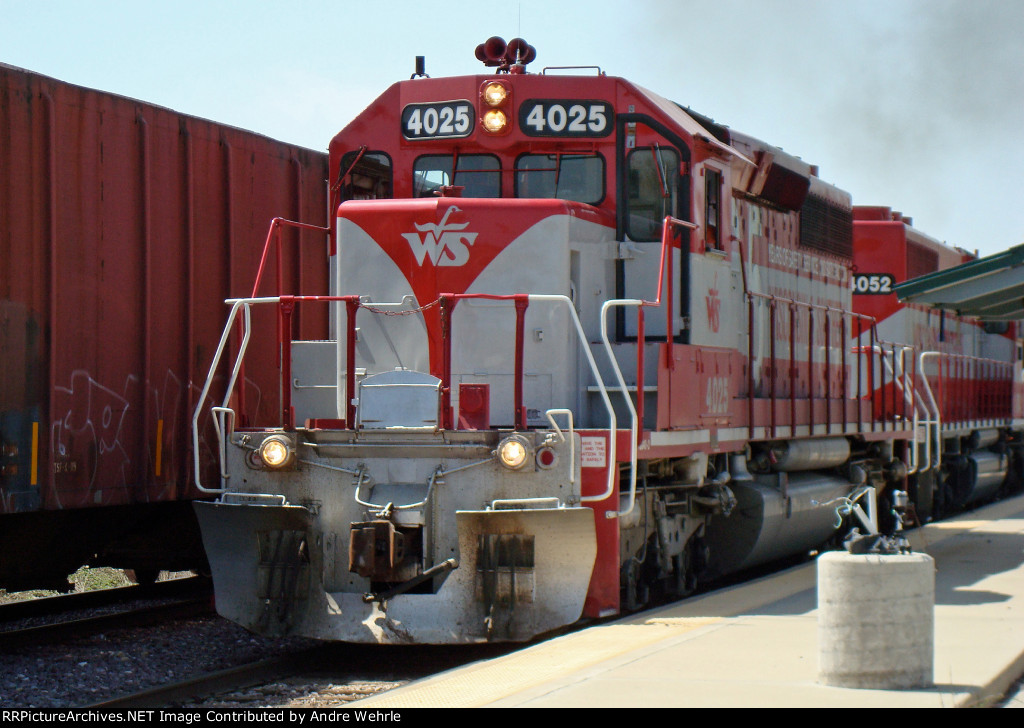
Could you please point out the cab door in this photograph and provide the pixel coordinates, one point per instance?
(653, 183)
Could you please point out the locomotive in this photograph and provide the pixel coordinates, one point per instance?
(586, 347)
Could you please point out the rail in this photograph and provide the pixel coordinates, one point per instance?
(842, 384)
(968, 385)
(636, 412)
(895, 405)
(974, 388)
(224, 415)
(275, 242)
(521, 301)
(902, 378)
(218, 354)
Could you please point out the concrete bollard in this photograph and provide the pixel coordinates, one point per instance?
(876, 620)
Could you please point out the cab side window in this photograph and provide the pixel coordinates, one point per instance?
(713, 208)
(366, 177)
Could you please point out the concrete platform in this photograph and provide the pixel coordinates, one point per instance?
(755, 645)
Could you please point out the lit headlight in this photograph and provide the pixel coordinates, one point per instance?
(494, 121)
(513, 452)
(277, 452)
(494, 94)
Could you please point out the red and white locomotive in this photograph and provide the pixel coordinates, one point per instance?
(585, 345)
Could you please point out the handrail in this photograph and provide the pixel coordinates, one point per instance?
(437, 475)
(274, 236)
(572, 437)
(241, 304)
(625, 395)
(665, 264)
(909, 389)
(936, 410)
(244, 304)
(935, 419)
(966, 369)
(876, 353)
(581, 335)
(846, 316)
(237, 304)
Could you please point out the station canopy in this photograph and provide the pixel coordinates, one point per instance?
(991, 288)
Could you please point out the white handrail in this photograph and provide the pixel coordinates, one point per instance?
(936, 420)
(237, 304)
(610, 484)
(572, 437)
(902, 380)
(625, 395)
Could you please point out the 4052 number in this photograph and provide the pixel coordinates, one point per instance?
(873, 283)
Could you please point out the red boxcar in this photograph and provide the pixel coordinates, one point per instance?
(123, 226)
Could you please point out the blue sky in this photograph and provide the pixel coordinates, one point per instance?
(914, 104)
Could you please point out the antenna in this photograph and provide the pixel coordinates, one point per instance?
(421, 68)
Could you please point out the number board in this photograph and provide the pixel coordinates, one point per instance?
(873, 283)
(566, 118)
(439, 120)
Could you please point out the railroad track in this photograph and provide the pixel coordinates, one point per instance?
(202, 686)
(10, 611)
(326, 675)
(72, 615)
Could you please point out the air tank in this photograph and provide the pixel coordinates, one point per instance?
(796, 455)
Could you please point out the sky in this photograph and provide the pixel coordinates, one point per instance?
(917, 105)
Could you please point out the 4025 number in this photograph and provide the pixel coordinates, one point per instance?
(566, 118)
(448, 119)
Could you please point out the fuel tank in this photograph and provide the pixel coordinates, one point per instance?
(987, 471)
(777, 515)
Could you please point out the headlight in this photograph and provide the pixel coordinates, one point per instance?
(277, 452)
(494, 121)
(494, 94)
(513, 452)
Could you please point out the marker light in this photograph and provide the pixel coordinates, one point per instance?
(546, 458)
(494, 121)
(513, 452)
(494, 94)
(277, 452)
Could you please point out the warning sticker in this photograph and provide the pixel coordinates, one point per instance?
(594, 452)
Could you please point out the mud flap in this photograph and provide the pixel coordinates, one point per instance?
(260, 560)
(530, 568)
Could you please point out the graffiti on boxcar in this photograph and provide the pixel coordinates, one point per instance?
(96, 428)
(86, 433)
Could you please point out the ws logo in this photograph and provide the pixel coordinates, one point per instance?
(443, 243)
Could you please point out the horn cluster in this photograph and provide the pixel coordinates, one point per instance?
(495, 52)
